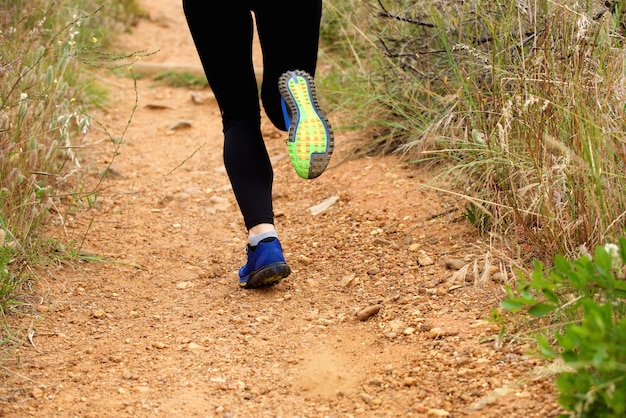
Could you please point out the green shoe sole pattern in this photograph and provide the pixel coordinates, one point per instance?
(310, 143)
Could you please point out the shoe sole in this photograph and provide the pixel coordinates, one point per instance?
(310, 143)
(267, 276)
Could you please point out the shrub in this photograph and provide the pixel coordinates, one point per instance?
(581, 310)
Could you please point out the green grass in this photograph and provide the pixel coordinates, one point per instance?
(181, 79)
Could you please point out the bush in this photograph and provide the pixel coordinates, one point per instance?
(582, 312)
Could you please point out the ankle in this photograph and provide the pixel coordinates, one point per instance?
(265, 237)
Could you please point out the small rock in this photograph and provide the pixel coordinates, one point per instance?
(37, 393)
(409, 381)
(381, 241)
(199, 98)
(180, 124)
(128, 375)
(306, 260)
(142, 389)
(424, 327)
(158, 345)
(99, 314)
(436, 332)
(396, 325)
(424, 259)
(420, 408)
(434, 412)
(454, 263)
(366, 397)
(348, 281)
(366, 313)
(184, 285)
(462, 361)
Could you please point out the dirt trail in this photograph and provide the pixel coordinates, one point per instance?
(162, 329)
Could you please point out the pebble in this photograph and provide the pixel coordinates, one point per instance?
(127, 375)
(368, 312)
(454, 263)
(373, 271)
(98, 313)
(348, 281)
(37, 393)
(184, 285)
(180, 124)
(424, 259)
(142, 389)
(436, 332)
(437, 413)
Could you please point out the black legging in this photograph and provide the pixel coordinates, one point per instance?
(222, 31)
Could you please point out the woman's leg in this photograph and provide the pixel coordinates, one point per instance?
(223, 33)
(288, 43)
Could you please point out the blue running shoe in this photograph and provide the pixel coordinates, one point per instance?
(266, 265)
(310, 143)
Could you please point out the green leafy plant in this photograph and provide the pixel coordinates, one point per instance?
(581, 306)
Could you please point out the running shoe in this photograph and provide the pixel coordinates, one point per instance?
(265, 266)
(310, 143)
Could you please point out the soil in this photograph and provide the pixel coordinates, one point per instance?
(153, 323)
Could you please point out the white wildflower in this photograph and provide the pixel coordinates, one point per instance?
(616, 259)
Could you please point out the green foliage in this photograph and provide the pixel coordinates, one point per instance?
(478, 216)
(583, 302)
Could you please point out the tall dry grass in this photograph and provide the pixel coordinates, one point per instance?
(518, 104)
(47, 49)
